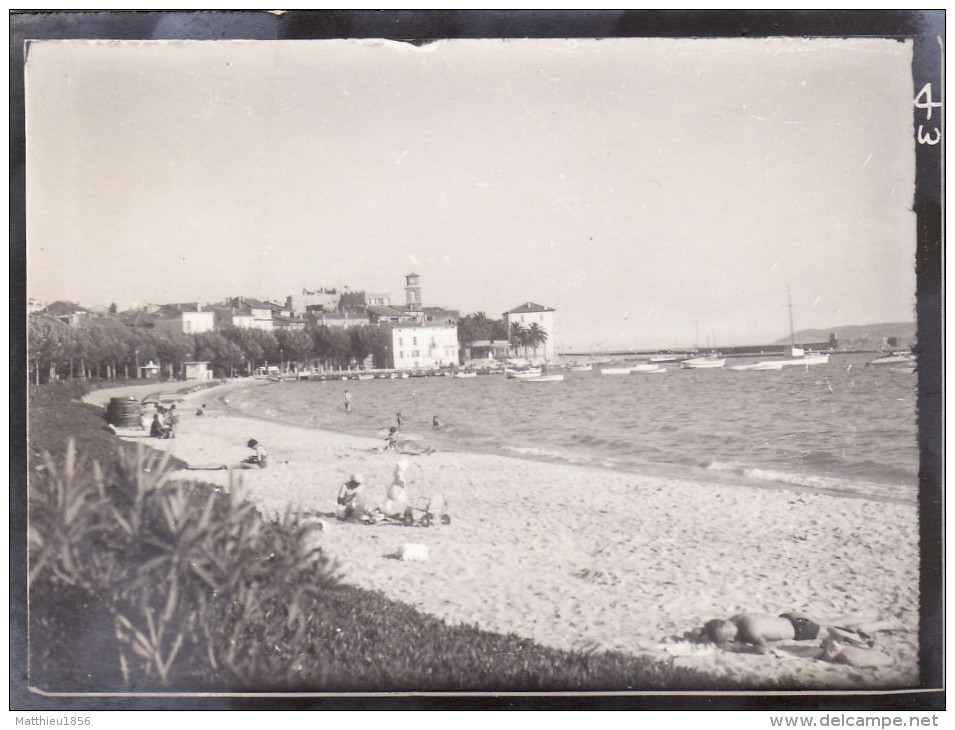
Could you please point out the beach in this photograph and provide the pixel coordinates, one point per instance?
(587, 558)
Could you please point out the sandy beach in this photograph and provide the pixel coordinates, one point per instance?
(590, 559)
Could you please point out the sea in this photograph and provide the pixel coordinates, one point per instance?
(839, 428)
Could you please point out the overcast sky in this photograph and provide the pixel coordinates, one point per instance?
(648, 190)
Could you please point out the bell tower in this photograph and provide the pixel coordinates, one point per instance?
(412, 292)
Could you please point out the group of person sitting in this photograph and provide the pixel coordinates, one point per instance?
(353, 504)
(164, 422)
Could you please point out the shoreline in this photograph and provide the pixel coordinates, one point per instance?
(590, 558)
(755, 477)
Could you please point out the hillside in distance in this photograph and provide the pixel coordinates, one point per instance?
(862, 336)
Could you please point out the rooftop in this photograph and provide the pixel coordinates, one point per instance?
(529, 307)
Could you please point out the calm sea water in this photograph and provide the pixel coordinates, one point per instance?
(839, 427)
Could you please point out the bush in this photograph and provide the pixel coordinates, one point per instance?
(188, 577)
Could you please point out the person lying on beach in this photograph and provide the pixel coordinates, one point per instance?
(259, 459)
(351, 500)
(759, 630)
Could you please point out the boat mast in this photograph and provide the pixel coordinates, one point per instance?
(792, 335)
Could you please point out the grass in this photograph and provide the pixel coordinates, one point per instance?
(151, 585)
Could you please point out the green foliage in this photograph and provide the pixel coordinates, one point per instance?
(477, 326)
(183, 572)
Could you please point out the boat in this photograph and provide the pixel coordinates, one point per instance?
(709, 361)
(366, 376)
(895, 360)
(529, 373)
(665, 358)
(466, 374)
(543, 379)
(581, 368)
(798, 356)
(648, 371)
(614, 371)
(811, 358)
(766, 365)
(646, 367)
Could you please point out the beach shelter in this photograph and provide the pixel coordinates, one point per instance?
(149, 371)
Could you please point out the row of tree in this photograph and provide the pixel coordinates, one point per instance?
(477, 326)
(104, 347)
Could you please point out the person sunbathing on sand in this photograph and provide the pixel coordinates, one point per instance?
(758, 630)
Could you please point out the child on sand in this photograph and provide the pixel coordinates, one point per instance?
(347, 400)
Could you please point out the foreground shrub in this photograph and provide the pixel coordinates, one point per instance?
(182, 572)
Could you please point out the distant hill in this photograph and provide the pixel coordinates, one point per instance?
(860, 336)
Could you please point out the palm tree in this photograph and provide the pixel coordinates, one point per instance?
(536, 335)
(518, 336)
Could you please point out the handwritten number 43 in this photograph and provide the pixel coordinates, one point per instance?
(924, 101)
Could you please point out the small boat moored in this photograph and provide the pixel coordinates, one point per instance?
(647, 367)
(695, 363)
(895, 359)
(543, 379)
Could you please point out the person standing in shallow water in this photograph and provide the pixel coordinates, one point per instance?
(347, 400)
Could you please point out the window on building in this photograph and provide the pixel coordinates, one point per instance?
(401, 341)
(415, 341)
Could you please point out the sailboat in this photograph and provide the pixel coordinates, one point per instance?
(797, 355)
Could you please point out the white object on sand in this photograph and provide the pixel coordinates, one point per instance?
(412, 551)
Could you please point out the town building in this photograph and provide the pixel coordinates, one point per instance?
(392, 315)
(423, 346)
(337, 319)
(67, 312)
(324, 299)
(479, 352)
(528, 314)
(378, 298)
(198, 370)
(188, 318)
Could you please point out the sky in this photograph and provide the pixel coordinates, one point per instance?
(655, 192)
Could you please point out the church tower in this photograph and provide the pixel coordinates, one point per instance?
(412, 292)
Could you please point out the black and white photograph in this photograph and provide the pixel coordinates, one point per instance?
(592, 363)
